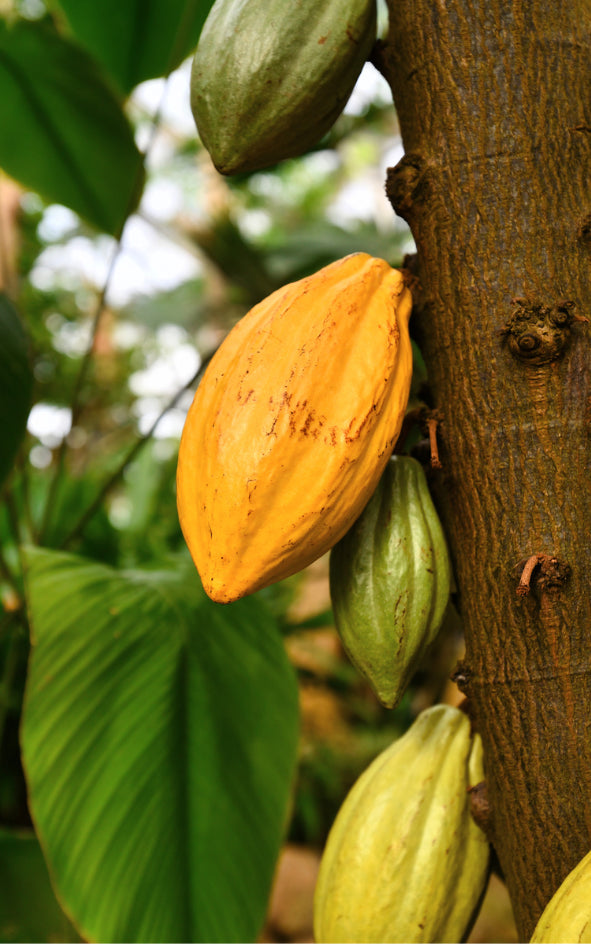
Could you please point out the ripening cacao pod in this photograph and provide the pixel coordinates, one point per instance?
(390, 580)
(404, 860)
(270, 78)
(567, 917)
(293, 423)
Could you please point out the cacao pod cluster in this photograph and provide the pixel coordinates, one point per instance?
(298, 414)
(286, 454)
(405, 861)
(270, 78)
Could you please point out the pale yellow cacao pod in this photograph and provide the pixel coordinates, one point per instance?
(567, 917)
(405, 861)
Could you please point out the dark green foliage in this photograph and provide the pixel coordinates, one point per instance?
(64, 133)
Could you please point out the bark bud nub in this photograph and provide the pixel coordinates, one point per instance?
(481, 809)
(405, 184)
(553, 574)
(538, 333)
(461, 677)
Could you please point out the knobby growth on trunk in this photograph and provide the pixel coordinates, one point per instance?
(494, 104)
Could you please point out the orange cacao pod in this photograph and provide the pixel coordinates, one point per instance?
(293, 423)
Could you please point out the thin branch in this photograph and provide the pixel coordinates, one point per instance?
(80, 525)
(76, 405)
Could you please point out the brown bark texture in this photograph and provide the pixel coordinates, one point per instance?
(494, 103)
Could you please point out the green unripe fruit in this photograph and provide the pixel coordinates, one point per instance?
(270, 77)
(390, 580)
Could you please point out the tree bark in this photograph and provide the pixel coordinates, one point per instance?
(494, 104)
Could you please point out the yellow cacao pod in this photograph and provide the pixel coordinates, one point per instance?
(404, 861)
(293, 423)
(567, 917)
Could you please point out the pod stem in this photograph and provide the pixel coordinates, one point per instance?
(432, 428)
(523, 588)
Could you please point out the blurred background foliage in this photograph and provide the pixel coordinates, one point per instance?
(124, 260)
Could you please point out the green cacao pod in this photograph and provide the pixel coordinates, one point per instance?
(404, 860)
(270, 78)
(567, 917)
(390, 580)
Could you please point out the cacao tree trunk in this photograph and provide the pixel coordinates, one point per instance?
(494, 103)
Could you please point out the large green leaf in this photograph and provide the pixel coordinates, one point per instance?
(64, 133)
(16, 384)
(137, 41)
(29, 911)
(159, 737)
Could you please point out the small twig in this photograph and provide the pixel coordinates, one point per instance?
(523, 588)
(432, 427)
(127, 459)
(76, 405)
